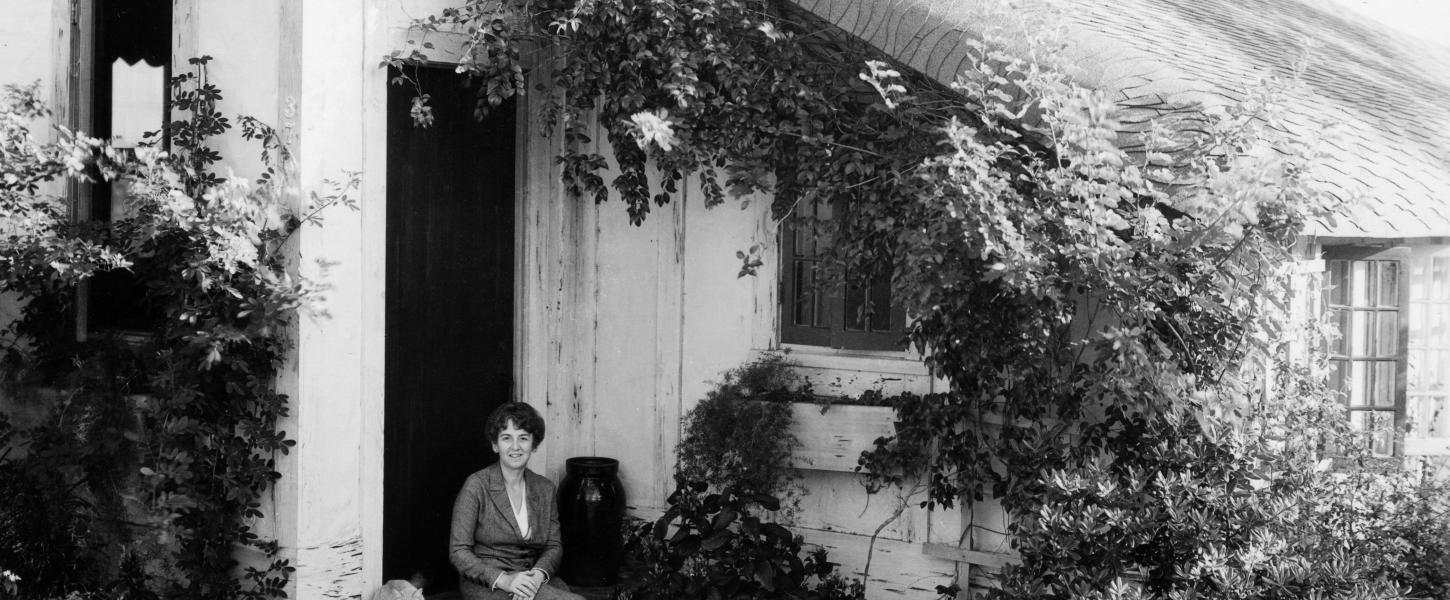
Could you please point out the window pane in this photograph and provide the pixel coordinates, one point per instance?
(1428, 416)
(819, 303)
(1431, 377)
(856, 308)
(1337, 378)
(869, 308)
(1419, 278)
(820, 238)
(881, 304)
(808, 241)
(1419, 316)
(1359, 283)
(1359, 333)
(1387, 338)
(1416, 369)
(1378, 427)
(1440, 288)
(800, 238)
(1339, 344)
(1358, 384)
(1434, 328)
(1436, 421)
(1388, 283)
(804, 302)
(1339, 282)
(824, 211)
(1384, 384)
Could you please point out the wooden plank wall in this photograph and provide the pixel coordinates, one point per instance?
(625, 325)
(836, 511)
(639, 321)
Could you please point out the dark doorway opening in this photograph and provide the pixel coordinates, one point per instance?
(449, 333)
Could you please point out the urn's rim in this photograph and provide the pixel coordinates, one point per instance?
(591, 462)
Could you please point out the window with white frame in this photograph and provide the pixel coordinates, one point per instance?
(1391, 361)
(1366, 295)
(1427, 401)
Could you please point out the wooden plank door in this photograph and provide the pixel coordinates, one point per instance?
(450, 287)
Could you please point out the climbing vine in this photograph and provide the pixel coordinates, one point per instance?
(159, 442)
(752, 91)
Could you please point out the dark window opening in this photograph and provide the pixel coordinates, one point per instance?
(857, 315)
(131, 64)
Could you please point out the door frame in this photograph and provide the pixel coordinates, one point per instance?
(547, 229)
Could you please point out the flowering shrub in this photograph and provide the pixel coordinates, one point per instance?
(166, 438)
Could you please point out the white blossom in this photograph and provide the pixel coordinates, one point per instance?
(770, 31)
(653, 127)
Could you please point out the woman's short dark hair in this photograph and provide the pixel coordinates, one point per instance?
(521, 415)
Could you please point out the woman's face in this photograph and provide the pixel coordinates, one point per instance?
(514, 446)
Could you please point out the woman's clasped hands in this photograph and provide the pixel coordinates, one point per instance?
(523, 585)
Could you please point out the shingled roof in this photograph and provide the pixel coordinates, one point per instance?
(1388, 95)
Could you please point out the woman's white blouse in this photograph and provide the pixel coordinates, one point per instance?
(521, 514)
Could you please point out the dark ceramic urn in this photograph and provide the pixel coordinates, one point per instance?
(591, 518)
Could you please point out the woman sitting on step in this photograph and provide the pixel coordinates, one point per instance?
(505, 535)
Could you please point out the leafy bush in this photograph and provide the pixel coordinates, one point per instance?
(45, 535)
(738, 436)
(710, 545)
(167, 488)
(1420, 529)
(1223, 514)
(733, 468)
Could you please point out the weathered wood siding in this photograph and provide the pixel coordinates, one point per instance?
(837, 513)
(626, 327)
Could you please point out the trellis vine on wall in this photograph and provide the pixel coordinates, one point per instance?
(747, 87)
(185, 411)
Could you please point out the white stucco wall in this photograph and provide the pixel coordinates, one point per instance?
(323, 507)
(244, 40)
(29, 34)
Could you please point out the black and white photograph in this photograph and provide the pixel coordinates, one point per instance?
(725, 299)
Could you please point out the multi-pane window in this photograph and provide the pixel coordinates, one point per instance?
(857, 314)
(1367, 294)
(1427, 407)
